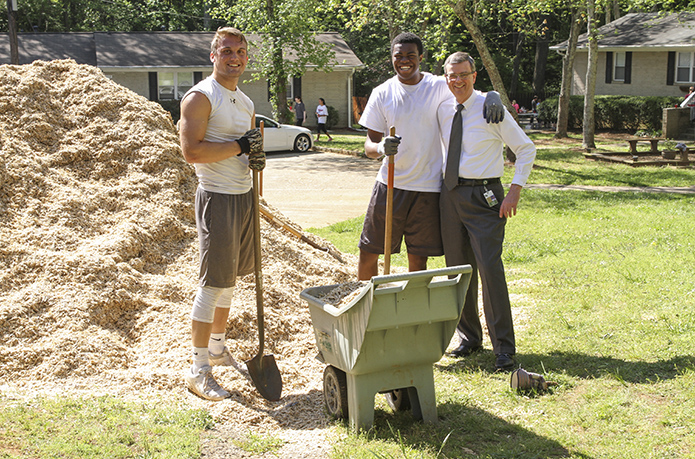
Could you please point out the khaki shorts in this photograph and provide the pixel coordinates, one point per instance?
(415, 219)
(225, 237)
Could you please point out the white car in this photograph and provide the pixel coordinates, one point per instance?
(282, 137)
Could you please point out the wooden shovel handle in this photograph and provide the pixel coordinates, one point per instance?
(260, 175)
(389, 211)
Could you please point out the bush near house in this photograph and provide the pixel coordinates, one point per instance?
(614, 113)
(173, 107)
(333, 117)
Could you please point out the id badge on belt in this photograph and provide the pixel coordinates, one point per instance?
(490, 197)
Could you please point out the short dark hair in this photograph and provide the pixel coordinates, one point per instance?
(458, 57)
(407, 37)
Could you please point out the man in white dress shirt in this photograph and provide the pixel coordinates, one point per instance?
(474, 208)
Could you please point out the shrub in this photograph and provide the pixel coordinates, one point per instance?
(333, 117)
(615, 113)
(173, 107)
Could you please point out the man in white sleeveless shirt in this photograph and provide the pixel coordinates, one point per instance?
(218, 137)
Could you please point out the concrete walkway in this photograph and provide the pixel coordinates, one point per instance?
(646, 189)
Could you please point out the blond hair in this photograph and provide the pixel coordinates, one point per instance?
(224, 32)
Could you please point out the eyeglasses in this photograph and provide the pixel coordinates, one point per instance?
(456, 76)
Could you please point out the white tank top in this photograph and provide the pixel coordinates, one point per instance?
(230, 117)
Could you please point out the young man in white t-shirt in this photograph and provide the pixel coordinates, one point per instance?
(409, 102)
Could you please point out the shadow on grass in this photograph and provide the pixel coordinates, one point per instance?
(472, 433)
(583, 366)
(634, 178)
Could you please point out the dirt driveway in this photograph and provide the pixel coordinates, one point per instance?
(317, 189)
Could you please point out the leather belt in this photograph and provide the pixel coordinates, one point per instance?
(478, 182)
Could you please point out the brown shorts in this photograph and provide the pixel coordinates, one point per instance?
(225, 237)
(415, 218)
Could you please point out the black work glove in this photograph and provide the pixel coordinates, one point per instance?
(493, 109)
(389, 145)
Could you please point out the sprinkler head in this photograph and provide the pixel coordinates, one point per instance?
(522, 380)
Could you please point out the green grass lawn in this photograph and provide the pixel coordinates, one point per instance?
(603, 293)
(604, 298)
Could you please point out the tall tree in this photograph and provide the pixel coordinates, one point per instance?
(518, 51)
(589, 127)
(117, 15)
(461, 10)
(567, 74)
(542, 47)
(287, 43)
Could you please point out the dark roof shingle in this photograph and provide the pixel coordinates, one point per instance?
(644, 30)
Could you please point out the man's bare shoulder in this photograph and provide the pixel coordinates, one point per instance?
(195, 103)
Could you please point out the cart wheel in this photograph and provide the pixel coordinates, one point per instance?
(335, 392)
(398, 399)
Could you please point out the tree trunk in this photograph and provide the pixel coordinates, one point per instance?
(589, 124)
(277, 80)
(12, 27)
(488, 62)
(516, 63)
(481, 46)
(542, 46)
(563, 107)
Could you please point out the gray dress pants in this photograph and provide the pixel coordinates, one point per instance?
(473, 233)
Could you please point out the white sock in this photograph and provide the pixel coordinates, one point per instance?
(200, 359)
(216, 344)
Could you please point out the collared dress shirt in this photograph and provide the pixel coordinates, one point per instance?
(482, 150)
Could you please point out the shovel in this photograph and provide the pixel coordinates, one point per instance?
(262, 368)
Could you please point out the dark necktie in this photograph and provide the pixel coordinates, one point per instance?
(453, 157)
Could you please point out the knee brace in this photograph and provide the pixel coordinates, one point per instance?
(207, 299)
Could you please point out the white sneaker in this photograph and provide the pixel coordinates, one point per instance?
(204, 385)
(224, 358)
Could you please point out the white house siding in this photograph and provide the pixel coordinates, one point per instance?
(137, 82)
(648, 76)
(332, 86)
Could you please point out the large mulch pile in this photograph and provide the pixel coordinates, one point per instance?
(99, 256)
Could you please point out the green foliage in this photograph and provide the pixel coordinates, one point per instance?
(173, 107)
(615, 113)
(333, 117)
(118, 15)
(286, 27)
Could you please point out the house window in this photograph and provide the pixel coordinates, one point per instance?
(684, 68)
(619, 70)
(173, 85)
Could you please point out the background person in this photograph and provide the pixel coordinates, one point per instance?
(299, 111)
(408, 101)
(216, 136)
(474, 208)
(322, 115)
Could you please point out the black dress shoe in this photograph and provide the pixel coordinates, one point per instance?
(504, 362)
(465, 350)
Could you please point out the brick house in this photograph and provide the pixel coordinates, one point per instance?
(640, 54)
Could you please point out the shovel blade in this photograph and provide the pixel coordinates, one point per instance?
(266, 376)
